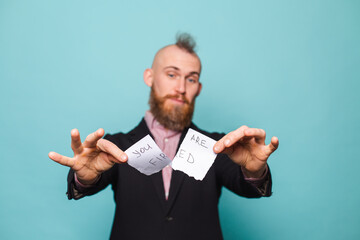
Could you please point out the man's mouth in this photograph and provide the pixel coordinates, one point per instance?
(178, 100)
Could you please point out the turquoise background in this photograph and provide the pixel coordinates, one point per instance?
(289, 67)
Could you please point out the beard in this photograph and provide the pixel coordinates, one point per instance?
(172, 117)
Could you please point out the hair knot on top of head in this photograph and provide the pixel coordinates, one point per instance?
(185, 41)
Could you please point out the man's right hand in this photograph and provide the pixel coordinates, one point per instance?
(92, 157)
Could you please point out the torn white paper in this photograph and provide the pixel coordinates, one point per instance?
(195, 155)
(146, 156)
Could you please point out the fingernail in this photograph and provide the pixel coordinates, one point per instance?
(216, 148)
(227, 142)
(123, 157)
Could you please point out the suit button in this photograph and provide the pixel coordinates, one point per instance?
(169, 219)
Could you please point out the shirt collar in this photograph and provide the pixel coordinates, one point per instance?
(153, 124)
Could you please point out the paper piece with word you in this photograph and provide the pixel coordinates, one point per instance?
(146, 156)
(195, 155)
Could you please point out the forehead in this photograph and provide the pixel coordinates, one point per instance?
(177, 57)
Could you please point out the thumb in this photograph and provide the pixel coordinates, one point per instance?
(274, 144)
(111, 149)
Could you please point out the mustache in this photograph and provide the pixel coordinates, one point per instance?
(177, 96)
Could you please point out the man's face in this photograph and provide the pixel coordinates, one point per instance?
(174, 79)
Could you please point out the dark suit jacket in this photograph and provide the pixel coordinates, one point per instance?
(191, 212)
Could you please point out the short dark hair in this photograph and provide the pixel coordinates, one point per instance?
(185, 41)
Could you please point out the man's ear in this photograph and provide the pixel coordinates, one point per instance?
(148, 77)
(199, 90)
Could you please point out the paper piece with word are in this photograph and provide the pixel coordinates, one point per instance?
(195, 155)
(146, 156)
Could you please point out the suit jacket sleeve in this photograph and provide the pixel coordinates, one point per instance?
(230, 175)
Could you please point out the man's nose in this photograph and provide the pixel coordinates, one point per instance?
(181, 86)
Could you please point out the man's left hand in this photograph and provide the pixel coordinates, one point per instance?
(246, 147)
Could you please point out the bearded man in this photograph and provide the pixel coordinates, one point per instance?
(169, 204)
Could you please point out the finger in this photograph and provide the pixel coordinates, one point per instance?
(92, 138)
(229, 139)
(219, 145)
(63, 160)
(112, 159)
(258, 134)
(274, 144)
(111, 149)
(76, 145)
(245, 139)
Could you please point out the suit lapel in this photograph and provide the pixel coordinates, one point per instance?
(136, 134)
(159, 188)
(177, 178)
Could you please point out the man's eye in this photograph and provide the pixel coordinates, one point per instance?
(171, 75)
(191, 80)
